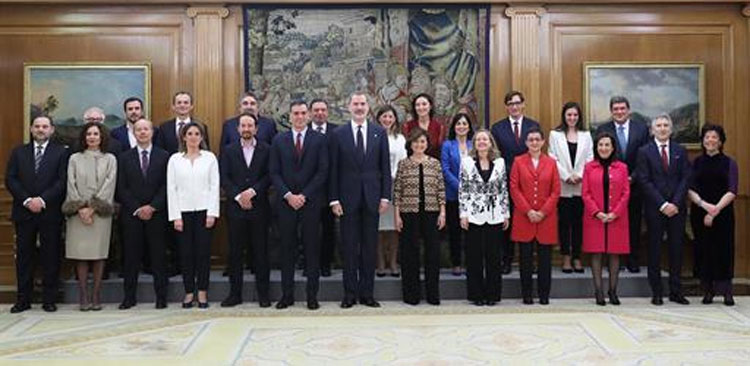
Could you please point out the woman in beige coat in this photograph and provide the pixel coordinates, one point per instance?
(89, 207)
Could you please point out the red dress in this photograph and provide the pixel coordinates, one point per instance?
(534, 189)
(434, 131)
(613, 237)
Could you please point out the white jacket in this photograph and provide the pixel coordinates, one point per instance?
(479, 201)
(558, 150)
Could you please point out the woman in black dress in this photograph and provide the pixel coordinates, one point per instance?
(712, 191)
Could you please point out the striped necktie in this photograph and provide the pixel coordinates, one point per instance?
(38, 158)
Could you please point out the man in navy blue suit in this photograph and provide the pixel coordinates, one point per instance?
(631, 135)
(142, 193)
(245, 179)
(320, 124)
(298, 168)
(510, 135)
(663, 172)
(182, 107)
(36, 177)
(125, 134)
(266, 126)
(359, 191)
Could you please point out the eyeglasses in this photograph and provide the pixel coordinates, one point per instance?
(510, 104)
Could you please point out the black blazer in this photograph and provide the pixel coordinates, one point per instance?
(236, 177)
(502, 132)
(265, 132)
(661, 186)
(306, 175)
(49, 183)
(133, 189)
(168, 136)
(637, 137)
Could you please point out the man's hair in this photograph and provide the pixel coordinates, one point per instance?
(182, 92)
(512, 94)
(247, 94)
(244, 114)
(618, 99)
(297, 102)
(131, 99)
(51, 122)
(318, 100)
(93, 110)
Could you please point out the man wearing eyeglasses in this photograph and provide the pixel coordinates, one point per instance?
(510, 135)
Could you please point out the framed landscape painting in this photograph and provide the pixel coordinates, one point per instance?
(652, 89)
(65, 90)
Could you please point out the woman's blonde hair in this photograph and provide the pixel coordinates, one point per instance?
(494, 152)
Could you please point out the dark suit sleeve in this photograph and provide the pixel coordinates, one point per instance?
(274, 169)
(264, 180)
(156, 139)
(319, 179)
(385, 169)
(13, 179)
(160, 198)
(333, 168)
(678, 198)
(225, 139)
(645, 180)
(225, 173)
(124, 193)
(205, 138)
(57, 189)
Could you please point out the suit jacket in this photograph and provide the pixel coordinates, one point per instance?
(637, 136)
(483, 202)
(558, 149)
(352, 179)
(502, 132)
(237, 177)
(120, 135)
(450, 160)
(133, 189)
(49, 182)
(661, 186)
(534, 189)
(306, 175)
(168, 135)
(265, 132)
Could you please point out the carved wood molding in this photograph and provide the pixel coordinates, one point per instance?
(219, 11)
(515, 11)
(746, 10)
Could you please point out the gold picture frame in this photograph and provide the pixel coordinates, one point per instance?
(64, 90)
(676, 88)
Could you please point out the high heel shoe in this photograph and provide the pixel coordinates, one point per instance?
(708, 298)
(599, 298)
(613, 299)
(728, 300)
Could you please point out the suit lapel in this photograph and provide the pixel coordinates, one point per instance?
(372, 139)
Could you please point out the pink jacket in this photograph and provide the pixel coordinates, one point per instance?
(592, 192)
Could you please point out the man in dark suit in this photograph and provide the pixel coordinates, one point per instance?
(298, 168)
(182, 106)
(142, 193)
(510, 135)
(320, 124)
(630, 135)
(245, 179)
(359, 191)
(125, 135)
(266, 126)
(663, 172)
(36, 177)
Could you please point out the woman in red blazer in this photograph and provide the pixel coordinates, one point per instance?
(423, 112)
(535, 188)
(605, 192)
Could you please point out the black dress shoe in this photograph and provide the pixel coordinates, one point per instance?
(161, 304)
(634, 269)
(478, 302)
(20, 307)
(370, 302)
(728, 300)
(656, 300)
(313, 304)
(708, 299)
(613, 299)
(490, 302)
(347, 303)
(434, 302)
(412, 302)
(677, 298)
(284, 303)
(230, 302)
(264, 303)
(126, 304)
(544, 300)
(325, 272)
(567, 270)
(379, 274)
(528, 301)
(506, 268)
(49, 307)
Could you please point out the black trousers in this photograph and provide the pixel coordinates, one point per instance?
(27, 256)
(635, 212)
(570, 225)
(508, 245)
(294, 225)
(359, 237)
(658, 224)
(420, 225)
(544, 270)
(249, 234)
(327, 237)
(455, 234)
(195, 251)
(144, 236)
(484, 248)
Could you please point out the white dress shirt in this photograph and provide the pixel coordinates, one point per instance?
(177, 122)
(192, 185)
(323, 127)
(131, 134)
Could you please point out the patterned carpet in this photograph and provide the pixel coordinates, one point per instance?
(568, 332)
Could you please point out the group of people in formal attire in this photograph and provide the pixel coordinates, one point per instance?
(391, 187)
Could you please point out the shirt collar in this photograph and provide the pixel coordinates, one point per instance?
(659, 143)
(147, 149)
(323, 125)
(355, 125)
(250, 144)
(303, 132)
(186, 120)
(625, 124)
(43, 144)
(519, 120)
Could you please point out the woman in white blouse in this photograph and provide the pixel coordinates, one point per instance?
(484, 211)
(193, 205)
(387, 250)
(570, 145)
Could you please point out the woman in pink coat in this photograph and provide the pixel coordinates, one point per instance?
(605, 192)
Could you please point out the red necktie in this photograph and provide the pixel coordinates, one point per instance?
(298, 145)
(516, 132)
(664, 157)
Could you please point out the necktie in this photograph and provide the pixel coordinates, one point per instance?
(144, 162)
(298, 146)
(180, 125)
(37, 158)
(664, 157)
(360, 143)
(319, 129)
(622, 140)
(516, 133)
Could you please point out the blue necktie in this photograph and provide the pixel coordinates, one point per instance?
(622, 140)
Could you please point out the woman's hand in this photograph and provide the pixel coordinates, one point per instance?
(602, 217)
(399, 222)
(441, 221)
(86, 214)
(210, 221)
(178, 225)
(465, 223)
(506, 225)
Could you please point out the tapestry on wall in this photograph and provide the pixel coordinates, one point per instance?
(392, 53)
